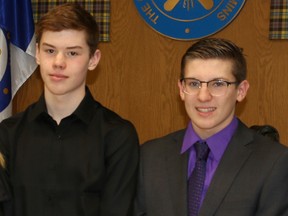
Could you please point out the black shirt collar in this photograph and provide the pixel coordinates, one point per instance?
(83, 112)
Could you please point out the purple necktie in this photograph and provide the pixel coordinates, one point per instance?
(197, 179)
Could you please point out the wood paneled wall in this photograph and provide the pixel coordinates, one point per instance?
(138, 72)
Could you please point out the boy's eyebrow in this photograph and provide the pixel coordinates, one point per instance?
(72, 47)
(47, 44)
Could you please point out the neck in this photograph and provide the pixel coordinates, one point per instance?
(59, 107)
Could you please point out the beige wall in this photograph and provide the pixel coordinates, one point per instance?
(138, 72)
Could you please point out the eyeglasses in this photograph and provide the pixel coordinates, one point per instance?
(216, 87)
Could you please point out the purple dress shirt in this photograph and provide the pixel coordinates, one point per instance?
(217, 145)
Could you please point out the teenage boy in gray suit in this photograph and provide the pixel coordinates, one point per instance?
(245, 174)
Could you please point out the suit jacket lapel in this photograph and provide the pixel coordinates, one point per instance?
(233, 159)
(176, 166)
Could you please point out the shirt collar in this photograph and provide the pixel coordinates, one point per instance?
(217, 143)
(38, 109)
(84, 111)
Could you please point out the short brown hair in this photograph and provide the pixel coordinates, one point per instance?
(69, 16)
(214, 48)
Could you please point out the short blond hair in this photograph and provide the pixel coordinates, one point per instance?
(2, 160)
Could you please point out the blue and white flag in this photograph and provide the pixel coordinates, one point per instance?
(17, 50)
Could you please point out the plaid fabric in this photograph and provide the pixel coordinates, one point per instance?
(100, 9)
(278, 19)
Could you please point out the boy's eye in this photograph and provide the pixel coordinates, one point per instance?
(194, 84)
(49, 51)
(72, 53)
(218, 83)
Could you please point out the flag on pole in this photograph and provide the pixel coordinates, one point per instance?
(17, 50)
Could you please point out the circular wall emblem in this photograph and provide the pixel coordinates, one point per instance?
(188, 19)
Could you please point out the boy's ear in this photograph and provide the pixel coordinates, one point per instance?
(94, 60)
(242, 90)
(181, 93)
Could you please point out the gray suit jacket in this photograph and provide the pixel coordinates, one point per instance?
(251, 179)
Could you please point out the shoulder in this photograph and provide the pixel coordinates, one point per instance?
(259, 144)
(114, 128)
(269, 147)
(156, 153)
(94, 113)
(109, 116)
(169, 142)
(16, 120)
(13, 127)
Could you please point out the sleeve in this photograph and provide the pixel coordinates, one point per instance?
(5, 194)
(121, 158)
(139, 208)
(273, 199)
(5, 190)
(4, 184)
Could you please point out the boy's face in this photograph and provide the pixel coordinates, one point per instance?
(64, 60)
(210, 114)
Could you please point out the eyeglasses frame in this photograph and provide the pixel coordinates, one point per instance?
(207, 83)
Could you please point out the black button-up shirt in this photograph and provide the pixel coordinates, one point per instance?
(85, 166)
